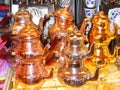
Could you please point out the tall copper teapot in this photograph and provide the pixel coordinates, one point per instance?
(29, 43)
(100, 31)
(74, 73)
(101, 36)
(20, 19)
(63, 23)
(62, 26)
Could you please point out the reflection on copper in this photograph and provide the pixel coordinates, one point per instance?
(63, 23)
(29, 43)
(101, 36)
(20, 19)
(100, 31)
(30, 71)
(73, 73)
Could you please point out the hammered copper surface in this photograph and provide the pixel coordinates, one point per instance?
(63, 23)
(101, 36)
(30, 71)
(73, 73)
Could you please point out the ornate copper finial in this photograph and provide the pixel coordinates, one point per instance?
(101, 31)
(22, 15)
(64, 13)
(29, 32)
(101, 21)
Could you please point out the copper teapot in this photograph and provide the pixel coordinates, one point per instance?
(21, 18)
(100, 31)
(100, 28)
(74, 73)
(63, 23)
(101, 36)
(29, 43)
(32, 72)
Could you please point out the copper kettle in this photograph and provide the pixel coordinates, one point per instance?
(21, 19)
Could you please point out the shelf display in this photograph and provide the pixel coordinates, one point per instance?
(72, 58)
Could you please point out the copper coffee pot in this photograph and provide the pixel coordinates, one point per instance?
(61, 28)
(31, 72)
(63, 23)
(101, 29)
(101, 36)
(21, 18)
(74, 73)
(29, 43)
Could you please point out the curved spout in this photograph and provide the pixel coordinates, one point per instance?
(91, 48)
(56, 47)
(95, 75)
(117, 55)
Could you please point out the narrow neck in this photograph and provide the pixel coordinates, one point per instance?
(101, 50)
(76, 53)
(117, 51)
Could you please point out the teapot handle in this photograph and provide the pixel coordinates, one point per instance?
(84, 25)
(42, 24)
(83, 28)
(44, 20)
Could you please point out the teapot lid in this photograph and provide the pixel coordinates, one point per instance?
(76, 35)
(22, 15)
(100, 21)
(29, 32)
(63, 13)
